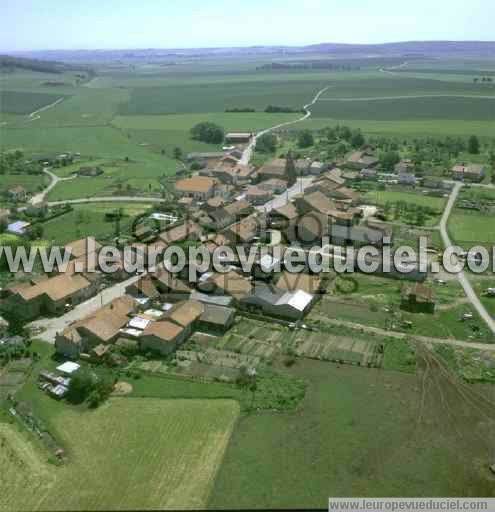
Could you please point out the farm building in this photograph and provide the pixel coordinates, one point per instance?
(292, 282)
(274, 168)
(162, 337)
(280, 303)
(238, 137)
(468, 172)
(361, 159)
(49, 296)
(101, 327)
(199, 188)
(216, 319)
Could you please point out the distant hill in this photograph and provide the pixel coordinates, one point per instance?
(481, 49)
(9, 63)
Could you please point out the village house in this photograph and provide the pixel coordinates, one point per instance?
(186, 314)
(279, 218)
(274, 168)
(144, 287)
(82, 247)
(468, 172)
(170, 285)
(258, 196)
(50, 296)
(198, 188)
(101, 327)
(232, 284)
(244, 231)
(240, 208)
(162, 337)
(187, 230)
(318, 202)
(238, 174)
(418, 298)
(273, 185)
(361, 159)
(345, 194)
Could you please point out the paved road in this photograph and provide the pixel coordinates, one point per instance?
(51, 326)
(284, 198)
(40, 197)
(461, 276)
(248, 152)
(109, 199)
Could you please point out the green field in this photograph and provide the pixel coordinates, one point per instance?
(14, 102)
(471, 228)
(129, 454)
(89, 220)
(357, 433)
(413, 108)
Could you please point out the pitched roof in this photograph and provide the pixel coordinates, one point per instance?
(80, 247)
(292, 282)
(146, 287)
(289, 211)
(201, 184)
(238, 207)
(104, 323)
(245, 230)
(164, 330)
(322, 204)
(185, 313)
(218, 315)
(232, 283)
(56, 288)
(169, 280)
(180, 233)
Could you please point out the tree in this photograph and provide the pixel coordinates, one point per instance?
(267, 143)
(208, 132)
(473, 145)
(290, 170)
(357, 139)
(305, 139)
(81, 385)
(388, 160)
(177, 153)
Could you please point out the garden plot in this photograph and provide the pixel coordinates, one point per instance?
(342, 350)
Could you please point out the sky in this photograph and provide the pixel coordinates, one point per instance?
(119, 24)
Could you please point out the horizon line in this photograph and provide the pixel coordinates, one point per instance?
(241, 47)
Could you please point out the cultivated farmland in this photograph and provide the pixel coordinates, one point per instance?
(130, 454)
